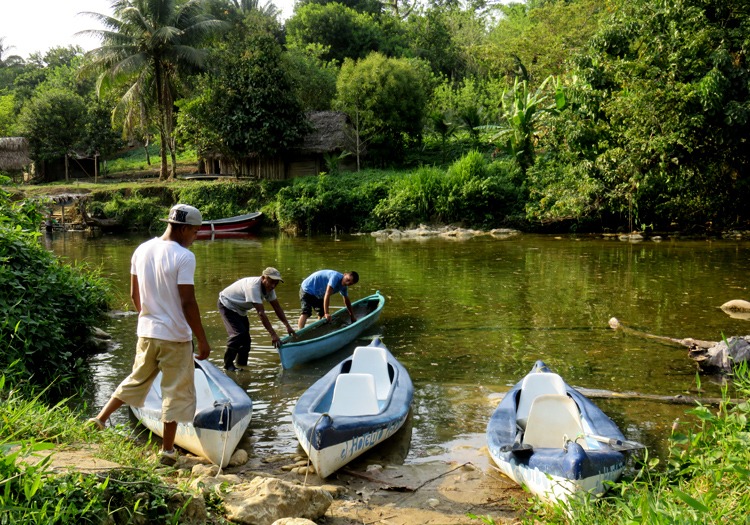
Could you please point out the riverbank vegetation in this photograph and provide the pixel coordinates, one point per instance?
(621, 115)
(47, 308)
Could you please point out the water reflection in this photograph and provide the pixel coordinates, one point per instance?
(468, 318)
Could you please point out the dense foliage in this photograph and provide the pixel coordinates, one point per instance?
(46, 308)
(620, 114)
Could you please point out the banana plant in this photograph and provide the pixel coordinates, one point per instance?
(520, 113)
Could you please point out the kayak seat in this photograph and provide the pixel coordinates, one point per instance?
(553, 420)
(534, 385)
(373, 360)
(204, 397)
(354, 395)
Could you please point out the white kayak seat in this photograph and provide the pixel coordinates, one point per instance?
(553, 420)
(534, 385)
(373, 360)
(204, 397)
(354, 395)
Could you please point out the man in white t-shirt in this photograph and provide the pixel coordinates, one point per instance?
(162, 290)
(236, 300)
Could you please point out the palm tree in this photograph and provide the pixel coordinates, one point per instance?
(148, 46)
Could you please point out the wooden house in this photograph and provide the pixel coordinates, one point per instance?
(329, 136)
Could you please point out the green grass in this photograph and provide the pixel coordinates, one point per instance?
(34, 493)
(135, 160)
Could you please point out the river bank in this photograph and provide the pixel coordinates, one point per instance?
(434, 492)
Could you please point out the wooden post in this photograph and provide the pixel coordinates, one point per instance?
(96, 167)
(66, 167)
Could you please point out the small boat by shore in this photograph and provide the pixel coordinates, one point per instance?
(359, 403)
(222, 414)
(239, 223)
(548, 437)
(323, 337)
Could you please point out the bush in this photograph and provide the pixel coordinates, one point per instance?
(473, 192)
(46, 308)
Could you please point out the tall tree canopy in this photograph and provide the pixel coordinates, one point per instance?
(662, 105)
(148, 48)
(247, 105)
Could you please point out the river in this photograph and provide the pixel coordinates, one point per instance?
(468, 318)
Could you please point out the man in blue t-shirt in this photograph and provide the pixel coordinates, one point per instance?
(315, 292)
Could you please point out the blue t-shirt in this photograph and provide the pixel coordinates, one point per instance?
(317, 283)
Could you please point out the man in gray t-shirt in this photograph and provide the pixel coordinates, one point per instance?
(236, 300)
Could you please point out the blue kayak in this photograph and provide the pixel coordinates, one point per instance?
(323, 337)
(359, 403)
(548, 437)
(222, 414)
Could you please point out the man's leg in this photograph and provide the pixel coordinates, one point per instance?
(238, 336)
(106, 411)
(302, 321)
(170, 431)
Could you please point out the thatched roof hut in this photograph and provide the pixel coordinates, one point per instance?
(14, 154)
(327, 134)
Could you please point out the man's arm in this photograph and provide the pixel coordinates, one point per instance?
(348, 304)
(267, 324)
(282, 316)
(327, 302)
(193, 318)
(135, 293)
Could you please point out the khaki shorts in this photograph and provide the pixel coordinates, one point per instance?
(175, 360)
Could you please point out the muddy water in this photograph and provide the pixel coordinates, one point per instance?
(467, 319)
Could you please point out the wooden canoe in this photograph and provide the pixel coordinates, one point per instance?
(323, 337)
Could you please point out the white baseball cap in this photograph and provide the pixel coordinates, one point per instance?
(184, 214)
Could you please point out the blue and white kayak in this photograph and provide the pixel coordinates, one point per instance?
(323, 337)
(361, 402)
(222, 414)
(548, 437)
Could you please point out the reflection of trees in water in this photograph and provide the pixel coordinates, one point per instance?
(444, 412)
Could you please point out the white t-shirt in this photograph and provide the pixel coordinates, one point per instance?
(160, 266)
(240, 295)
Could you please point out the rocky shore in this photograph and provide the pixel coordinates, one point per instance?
(281, 490)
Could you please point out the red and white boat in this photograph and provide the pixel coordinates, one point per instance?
(240, 223)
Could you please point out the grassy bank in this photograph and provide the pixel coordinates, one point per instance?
(31, 492)
(474, 191)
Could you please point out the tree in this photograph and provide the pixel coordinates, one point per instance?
(430, 38)
(386, 97)
(542, 36)
(247, 105)
(662, 104)
(10, 66)
(313, 79)
(53, 121)
(340, 31)
(149, 46)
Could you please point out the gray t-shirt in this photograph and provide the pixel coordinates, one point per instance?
(242, 294)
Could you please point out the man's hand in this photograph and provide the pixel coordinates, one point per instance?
(289, 330)
(203, 351)
(275, 340)
(327, 317)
